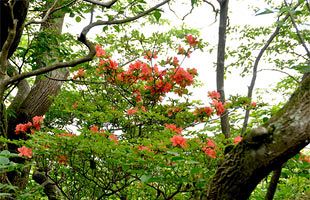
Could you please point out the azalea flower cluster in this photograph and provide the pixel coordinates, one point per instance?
(112, 137)
(174, 128)
(147, 78)
(25, 128)
(32, 126)
(209, 148)
(207, 111)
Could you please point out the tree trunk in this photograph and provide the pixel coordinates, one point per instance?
(264, 149)
(273, 183)
(220, 69)
(35, 101)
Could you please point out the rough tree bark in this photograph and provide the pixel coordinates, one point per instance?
(37, 100)
(264, 149)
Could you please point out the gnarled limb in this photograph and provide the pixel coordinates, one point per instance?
(264, 150)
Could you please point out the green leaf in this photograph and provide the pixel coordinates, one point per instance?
(177, 158)
(193, 2)
(303, 68)
(265, 119)
(157, 15)
(195, 170)
(145, 178)
(4, 161)
(173, 153)
(117, 28)
(264, 12)
(5, 152)
(78, 19)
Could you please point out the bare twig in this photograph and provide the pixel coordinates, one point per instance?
(216, 11)
(277, 70)
(63, 6)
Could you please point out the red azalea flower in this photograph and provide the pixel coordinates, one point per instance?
(209, 152)
(94, 128)
(214, 95)
(219, 107)
(22, 128)
(178, 140)
(192, 41)
(132, 111)
(173, 128)
(24, 151)
(237, 139)
(37, 120)
(113, 138)
(211, 143)
(99, 51)
(143, 148)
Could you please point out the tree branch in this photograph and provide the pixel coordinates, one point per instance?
(277, 70)
(273, 183)
(9, 41)
(255, 67)
(108, 4)
(82, 38)
(264, 149)
(47, 14)
(122, 21)
(301, 39)
(88, 57)
(216, 11)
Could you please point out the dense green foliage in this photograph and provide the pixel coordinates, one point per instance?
(126, 125)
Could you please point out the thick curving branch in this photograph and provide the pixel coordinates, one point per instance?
(82, 38)
(4, 53)
(88, 57)
(264, 149)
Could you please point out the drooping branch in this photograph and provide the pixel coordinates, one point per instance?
(108, 4)
(216, 11)
(283, 72)
(255, 67)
